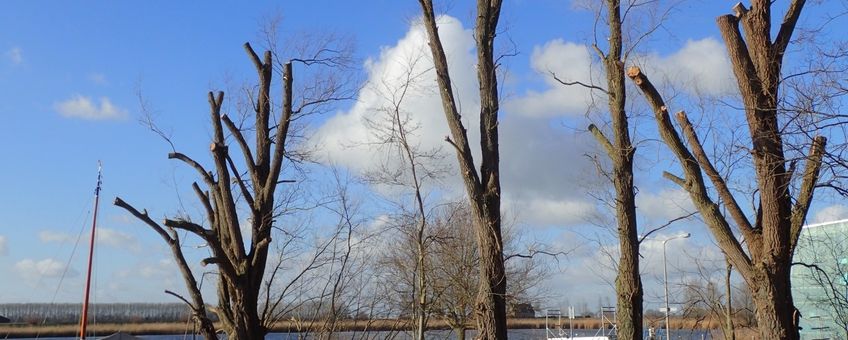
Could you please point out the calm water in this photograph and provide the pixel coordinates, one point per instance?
(515, 334)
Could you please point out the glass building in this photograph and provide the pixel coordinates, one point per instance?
(820, 280)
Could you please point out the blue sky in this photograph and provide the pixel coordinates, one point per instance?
(70, 75)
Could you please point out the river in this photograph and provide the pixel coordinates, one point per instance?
(514, 334)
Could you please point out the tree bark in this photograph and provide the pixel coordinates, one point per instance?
(771, 239)
(483, 187)
(620, 151)
(729, 329)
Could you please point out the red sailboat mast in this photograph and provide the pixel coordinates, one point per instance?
(84, 316)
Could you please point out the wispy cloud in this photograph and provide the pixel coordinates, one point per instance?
(105, 236)
(32, 269)
(3, 248)
(15, 55)
(82, 107)
(98, 78)
(48, 236)
(831, 213)
(117, 239)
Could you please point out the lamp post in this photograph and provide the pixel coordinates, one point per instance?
(665, 274)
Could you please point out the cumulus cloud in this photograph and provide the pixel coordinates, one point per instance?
(569, 62)
(15, 55)
(82, 107)
(700, 67)
(3, 247)
(348, 138)
(665, 205)
(557, 211)
(553, 194)
(680, 253)
(46, 268)
(545, 195)
(831, 213)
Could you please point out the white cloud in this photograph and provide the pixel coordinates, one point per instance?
(831, 213)
(686, 259)
(664, 205)
(15, 55)
(700, 67)
(117, 239)
(559, 211)
(548, 195)
(48, 236)
(82, 107)
(4, 249)
(570, 62)
(347, 138)
(165, 268)
(105, 236)
(46, 268)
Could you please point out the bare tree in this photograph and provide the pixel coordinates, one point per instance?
(708, 294)
(622, 39)
(411, 169)
(781, 209)
(483, 188)
(455, 261)
(628, 282)
(241, 259)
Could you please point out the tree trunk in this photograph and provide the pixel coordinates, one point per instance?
(729, 331)
(422, 290)
(628, 282)
(491, 295)
(460, 333)
(483, 187)
(774, 308)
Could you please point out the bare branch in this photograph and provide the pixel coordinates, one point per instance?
(716, 178)
(207, 176)
(808, 184)
(603, 140)
(787, 27)
(571, 83)
(694, 183)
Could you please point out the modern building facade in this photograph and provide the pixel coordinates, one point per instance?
(820, 280)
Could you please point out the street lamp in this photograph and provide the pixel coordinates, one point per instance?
(665, 274)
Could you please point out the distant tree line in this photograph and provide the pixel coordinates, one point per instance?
(65, 313)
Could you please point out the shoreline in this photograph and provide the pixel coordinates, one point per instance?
(292, 326)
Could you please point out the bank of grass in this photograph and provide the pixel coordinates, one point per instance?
(290, 326)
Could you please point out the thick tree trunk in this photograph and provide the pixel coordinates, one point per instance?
(774, 308)
(491, 295)
(483, 187)
(628, 282)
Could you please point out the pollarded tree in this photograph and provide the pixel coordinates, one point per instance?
(620, 150)
(241, 258)
(783, 196)
(483, 187)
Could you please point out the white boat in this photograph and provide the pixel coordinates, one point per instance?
(556, 332)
